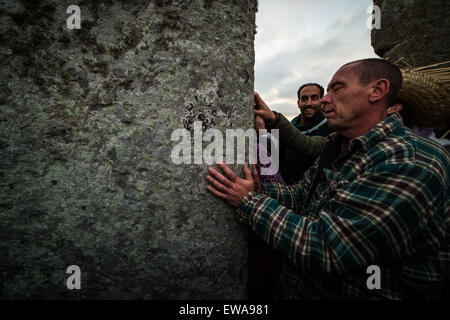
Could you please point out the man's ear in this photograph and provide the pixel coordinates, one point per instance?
(379, 90)
(298, 103)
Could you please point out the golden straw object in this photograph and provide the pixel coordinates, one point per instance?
(427, 91)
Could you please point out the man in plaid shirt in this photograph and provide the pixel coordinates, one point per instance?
(377, 195)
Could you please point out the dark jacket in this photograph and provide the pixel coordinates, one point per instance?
(293, 164)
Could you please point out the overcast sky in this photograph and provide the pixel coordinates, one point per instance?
(301, 41)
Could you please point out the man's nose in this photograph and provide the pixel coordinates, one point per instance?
(325, 100)
(309, 102)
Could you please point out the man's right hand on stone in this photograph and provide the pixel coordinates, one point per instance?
(261, 109)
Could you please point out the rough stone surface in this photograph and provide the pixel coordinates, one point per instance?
(86, 118)
(415, 30)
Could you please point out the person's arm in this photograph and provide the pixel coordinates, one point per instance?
(288, 196)
(292, 138)
(383, 215)
(233, 189)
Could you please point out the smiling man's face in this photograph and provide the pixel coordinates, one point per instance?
(309, 102)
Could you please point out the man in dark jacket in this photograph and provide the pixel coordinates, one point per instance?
(311, 122)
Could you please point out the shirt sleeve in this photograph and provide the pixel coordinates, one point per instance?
(292, 138)
(383, 215)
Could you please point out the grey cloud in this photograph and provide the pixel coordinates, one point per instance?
(344, 37)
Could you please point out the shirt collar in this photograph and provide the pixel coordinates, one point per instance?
(371, 138)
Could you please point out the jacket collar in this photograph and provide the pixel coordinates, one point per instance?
(314, 121)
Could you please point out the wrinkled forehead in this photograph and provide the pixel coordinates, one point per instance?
(346, 73)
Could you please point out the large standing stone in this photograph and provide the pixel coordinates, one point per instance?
(86, 118)
(416, 31)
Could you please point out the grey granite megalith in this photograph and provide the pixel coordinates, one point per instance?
(86, 117)
(415, 31)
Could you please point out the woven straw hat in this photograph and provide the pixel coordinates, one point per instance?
(427, 92)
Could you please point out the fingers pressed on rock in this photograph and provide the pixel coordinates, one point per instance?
(230, 174)
(216, 174)
(216, 192)
(216, 184)
(247, 173)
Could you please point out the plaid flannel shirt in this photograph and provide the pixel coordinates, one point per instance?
(385, 203)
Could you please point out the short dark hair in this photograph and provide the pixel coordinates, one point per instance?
(322, 90)
(372, 69)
